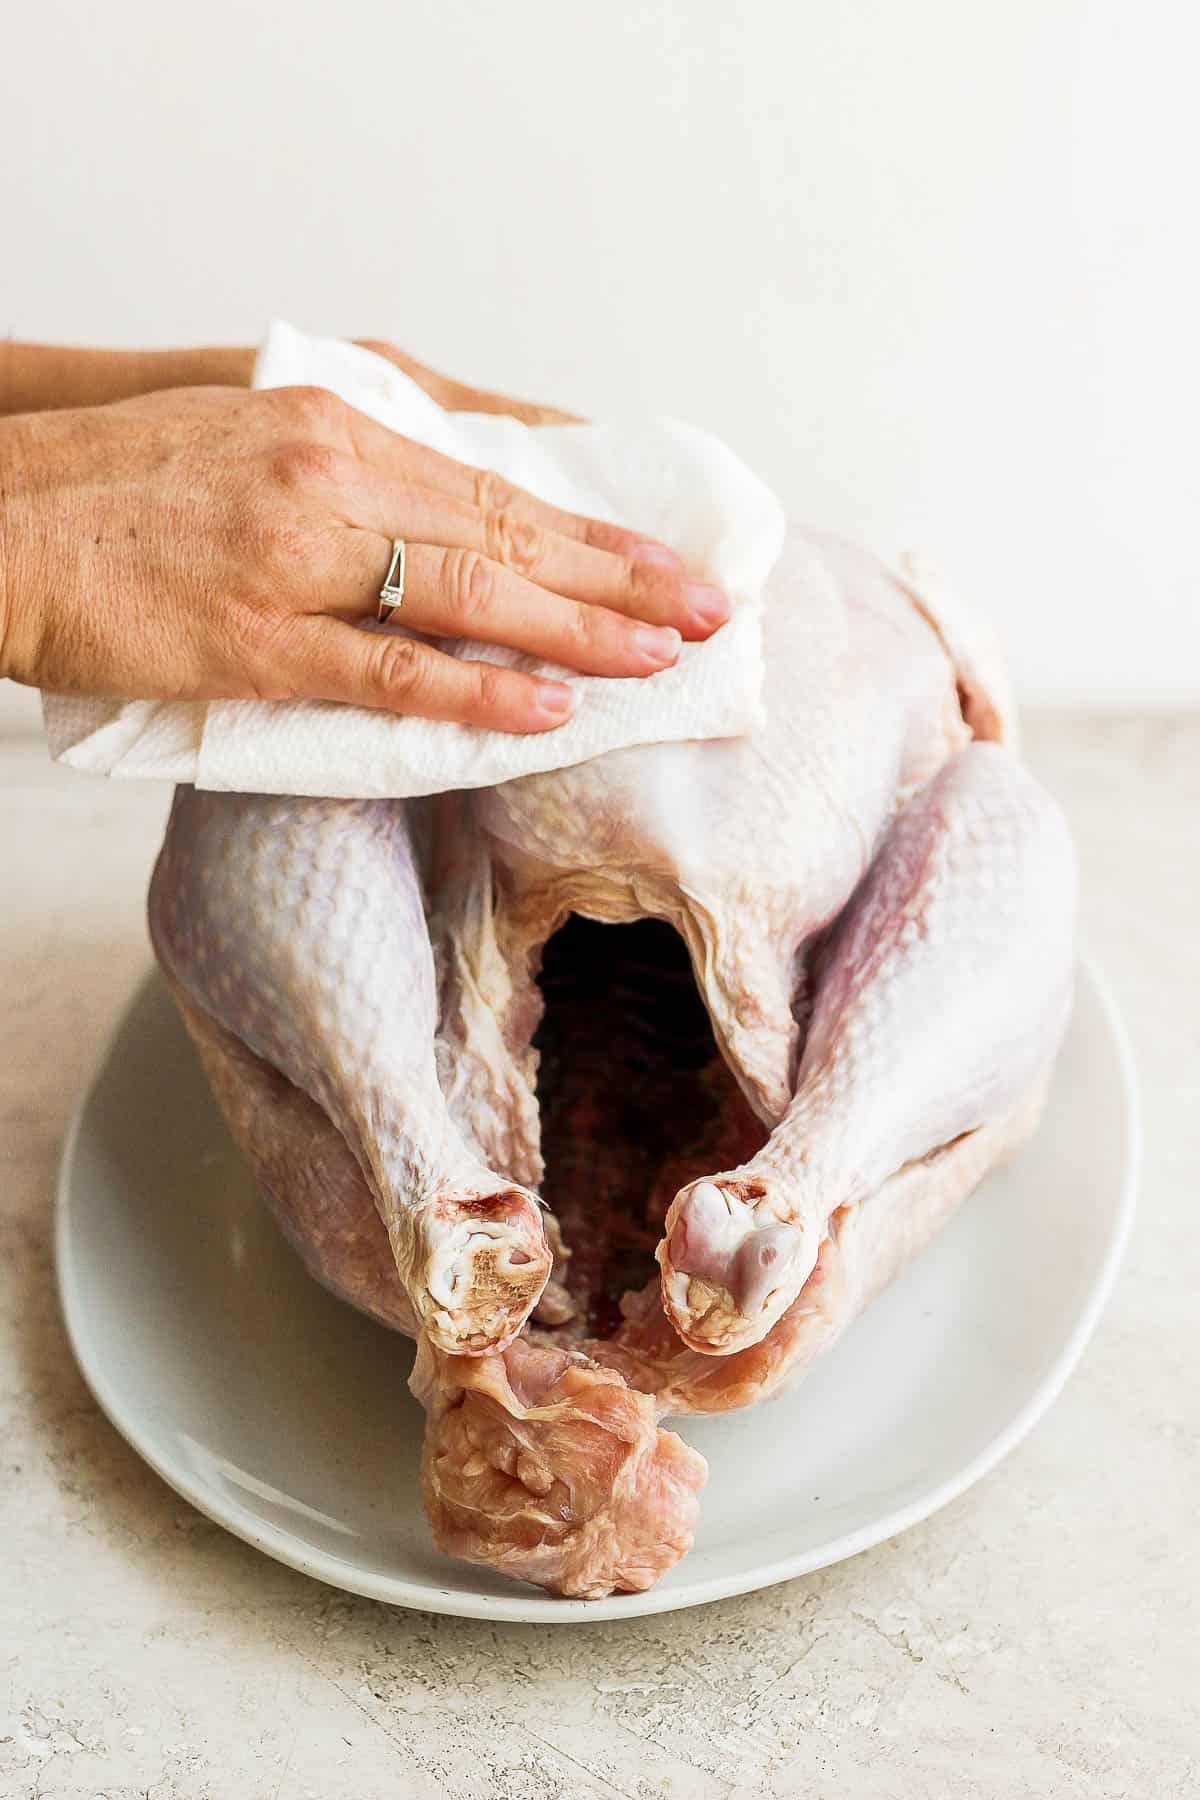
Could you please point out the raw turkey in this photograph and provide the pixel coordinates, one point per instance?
(762, 1011)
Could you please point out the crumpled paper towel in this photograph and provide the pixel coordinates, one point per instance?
(666, 479)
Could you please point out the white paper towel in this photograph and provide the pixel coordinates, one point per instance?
(669, 480)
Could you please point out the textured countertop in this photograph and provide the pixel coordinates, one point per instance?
(1037, 1637)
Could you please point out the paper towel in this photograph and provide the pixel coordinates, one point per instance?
(669, 480)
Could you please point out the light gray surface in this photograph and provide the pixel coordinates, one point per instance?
(20, 709)
(1035, 1638)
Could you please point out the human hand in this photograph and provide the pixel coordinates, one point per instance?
(215, 543)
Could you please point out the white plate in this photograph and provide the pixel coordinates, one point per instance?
(284, 1415)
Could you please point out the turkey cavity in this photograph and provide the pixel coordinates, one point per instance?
(635, 1100)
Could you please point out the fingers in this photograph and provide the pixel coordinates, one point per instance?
(455, 593)
(485, 560)
(401, 460)
(455, 396)
(329, 660)
(646, 585)
(468, 399)
(459, 593)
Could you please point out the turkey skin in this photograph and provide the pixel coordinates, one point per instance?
(625, 1087)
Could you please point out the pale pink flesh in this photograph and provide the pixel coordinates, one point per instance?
(865, 1247)
(551, 1469)
(366, 1015)
(299, 927)
(306, 1172)
(941, 995)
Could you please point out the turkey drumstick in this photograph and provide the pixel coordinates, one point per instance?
(299, 927)
(941, 994)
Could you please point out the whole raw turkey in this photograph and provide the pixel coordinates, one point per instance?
(766, 1009)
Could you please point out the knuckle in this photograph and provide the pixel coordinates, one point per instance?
(492, 494)
(469, 584)
(305, 464)
(646, 581)
(515, 540)
(397, 667)
(490, 687)
(589, 629)
(311, 406)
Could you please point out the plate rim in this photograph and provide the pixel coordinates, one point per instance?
(537, 1608)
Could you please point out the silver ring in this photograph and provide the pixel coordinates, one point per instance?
(391, 594)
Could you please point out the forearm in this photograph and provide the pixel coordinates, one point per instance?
(10, 476)
(45, 377)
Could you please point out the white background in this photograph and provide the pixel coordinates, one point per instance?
(930, 265)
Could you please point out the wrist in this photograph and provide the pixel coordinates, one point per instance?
(7, 577)
(8, 483)
(19, 627)
(49, 377)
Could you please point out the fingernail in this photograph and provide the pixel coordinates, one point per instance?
(555, 700)
(658, 555)
(707, 604)
(658, 643)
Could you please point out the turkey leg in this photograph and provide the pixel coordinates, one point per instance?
(299, 927)
(940, 997)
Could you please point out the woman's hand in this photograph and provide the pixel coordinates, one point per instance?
(209, 543)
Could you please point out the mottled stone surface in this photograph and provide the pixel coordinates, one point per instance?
(1038, 1637)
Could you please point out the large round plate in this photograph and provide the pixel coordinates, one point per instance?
(285, 1416)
